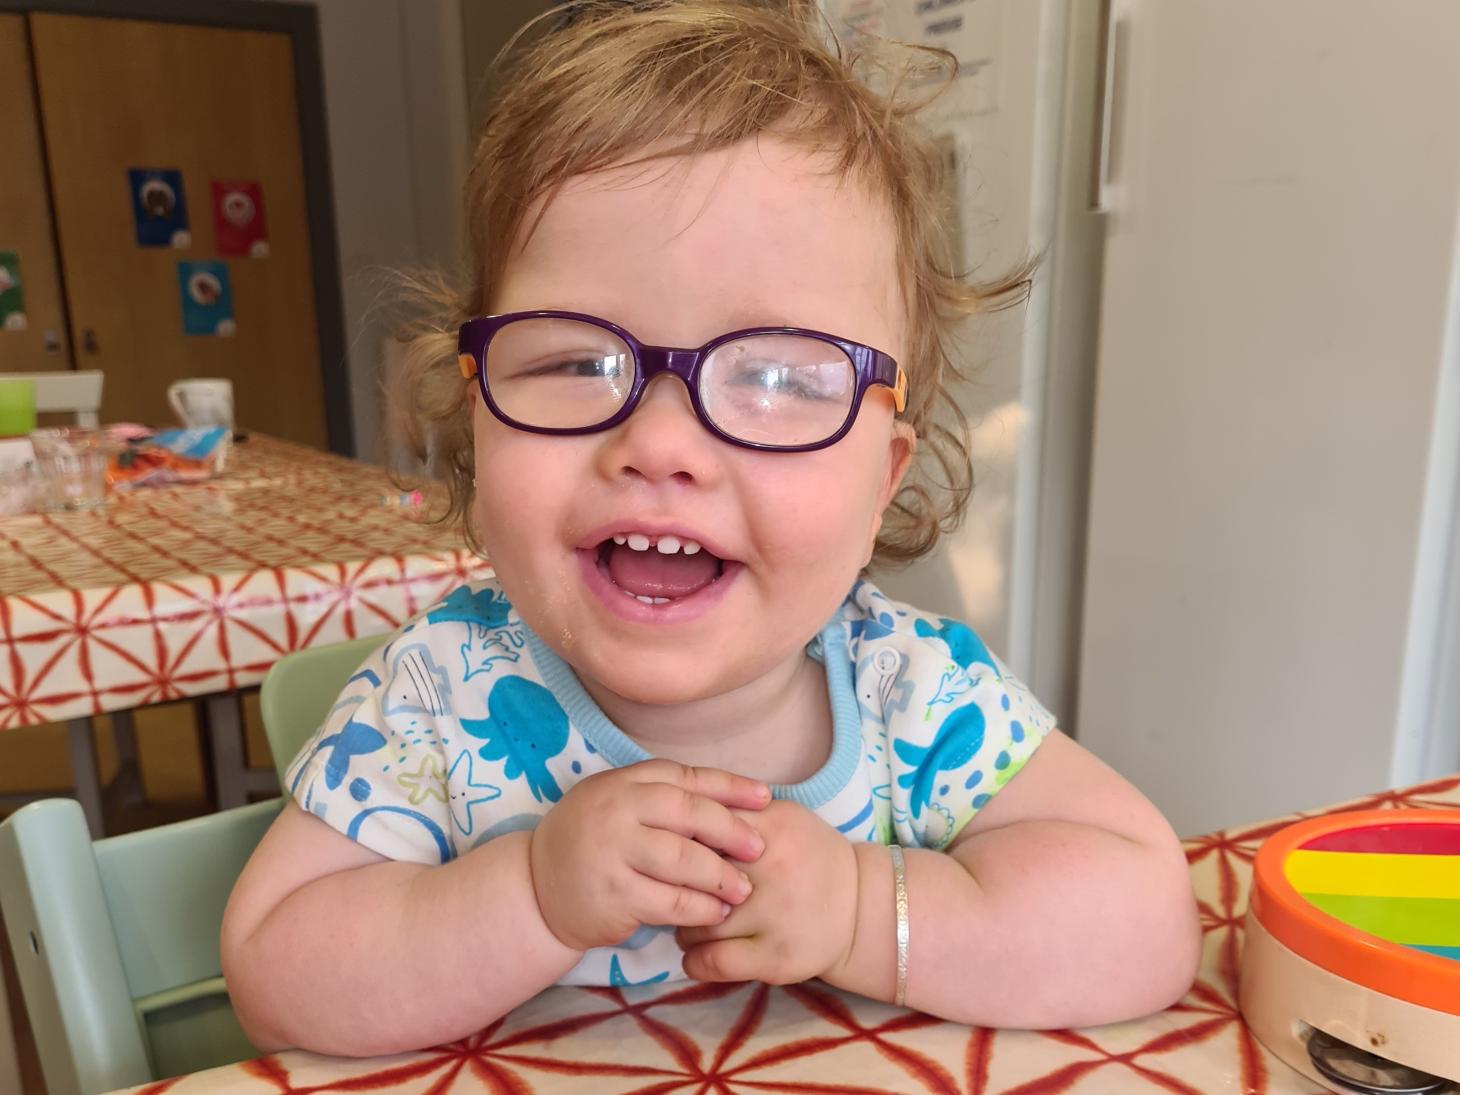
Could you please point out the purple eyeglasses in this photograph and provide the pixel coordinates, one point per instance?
(784, 389)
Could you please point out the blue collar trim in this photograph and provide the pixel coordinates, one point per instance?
(620, 750)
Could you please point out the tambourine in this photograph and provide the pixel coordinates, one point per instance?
(1351, 962)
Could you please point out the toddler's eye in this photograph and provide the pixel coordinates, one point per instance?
(774, 378)
(582, 368)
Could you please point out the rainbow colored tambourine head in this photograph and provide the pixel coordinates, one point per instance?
(1351, 956)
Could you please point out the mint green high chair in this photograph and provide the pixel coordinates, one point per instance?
(116, 942)
(299, 691)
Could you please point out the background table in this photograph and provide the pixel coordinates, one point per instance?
(197, 590)
(695, 1038)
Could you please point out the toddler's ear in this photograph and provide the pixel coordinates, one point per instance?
(900, 451)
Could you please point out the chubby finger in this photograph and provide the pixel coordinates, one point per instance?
(682, 861)
(732, 927)
(656, 902)
(724, 960)
(724, 787)
(677, 810)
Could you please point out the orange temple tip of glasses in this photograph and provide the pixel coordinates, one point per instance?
(899, 393)
(468, 366)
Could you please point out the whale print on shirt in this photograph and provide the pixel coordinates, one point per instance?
(964, 647)
(486, 607)
(958, 741)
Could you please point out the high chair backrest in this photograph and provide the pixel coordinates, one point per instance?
(116, 942)
(67, 392)
(301, 688)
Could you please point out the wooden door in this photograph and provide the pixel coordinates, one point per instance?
(213, 104)
(39, 343)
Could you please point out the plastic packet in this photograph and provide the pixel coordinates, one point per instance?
(172, 456)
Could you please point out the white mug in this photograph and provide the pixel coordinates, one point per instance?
(202, 402)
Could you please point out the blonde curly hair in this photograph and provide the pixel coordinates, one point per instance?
(613, 81)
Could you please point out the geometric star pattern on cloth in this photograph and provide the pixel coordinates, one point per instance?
(812, 1038)
(168, 593)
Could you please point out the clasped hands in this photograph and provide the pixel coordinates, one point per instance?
(759, 890)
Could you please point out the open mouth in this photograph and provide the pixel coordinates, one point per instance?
(657, 570)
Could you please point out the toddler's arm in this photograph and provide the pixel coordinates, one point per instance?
(330, 947)
(1064, 902)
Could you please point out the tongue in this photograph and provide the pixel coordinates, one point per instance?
(651, 574)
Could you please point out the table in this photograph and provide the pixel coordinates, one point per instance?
(695, 1038)
(197, 590)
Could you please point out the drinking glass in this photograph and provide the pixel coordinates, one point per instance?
(71, 465)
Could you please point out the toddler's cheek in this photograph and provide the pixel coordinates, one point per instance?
(477, 516)
(825, 538)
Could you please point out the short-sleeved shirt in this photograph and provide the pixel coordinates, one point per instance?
(465, 725)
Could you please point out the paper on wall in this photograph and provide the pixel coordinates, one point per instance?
(969, 29)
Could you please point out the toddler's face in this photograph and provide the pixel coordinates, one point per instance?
(678, 252)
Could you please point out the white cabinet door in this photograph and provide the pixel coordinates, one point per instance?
(1279, 288)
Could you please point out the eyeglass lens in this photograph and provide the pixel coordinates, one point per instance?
(770, 389)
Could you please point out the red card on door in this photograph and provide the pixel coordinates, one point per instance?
(238, 219)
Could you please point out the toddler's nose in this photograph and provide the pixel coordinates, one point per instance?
(663, 440)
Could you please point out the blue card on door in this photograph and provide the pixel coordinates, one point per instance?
(207, 298)
(159, 207)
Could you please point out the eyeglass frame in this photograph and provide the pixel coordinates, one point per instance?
(872, 366)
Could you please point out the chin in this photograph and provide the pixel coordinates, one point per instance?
(656, 685)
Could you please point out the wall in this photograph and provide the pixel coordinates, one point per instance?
(400, 89)
(1278, 314)
(1006, 155)
(395, 100)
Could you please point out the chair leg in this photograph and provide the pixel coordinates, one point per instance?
(129, 765)
(225, 732)
(85, 778)
(205, 752)
(9, 1051)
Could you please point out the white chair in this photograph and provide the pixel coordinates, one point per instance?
(78, 393)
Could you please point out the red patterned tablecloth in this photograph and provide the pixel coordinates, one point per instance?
(696, 1039)
(189, 590)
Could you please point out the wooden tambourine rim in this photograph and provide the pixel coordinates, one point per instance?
(1395, 970)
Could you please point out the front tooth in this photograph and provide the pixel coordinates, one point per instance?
(668, 545)
(689, 547)
(620, 539)
(646, 600)
(661, 600)
(638, 541)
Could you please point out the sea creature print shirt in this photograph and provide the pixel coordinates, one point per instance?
(465, 725)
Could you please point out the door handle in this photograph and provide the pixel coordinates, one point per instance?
(1112, 37)
(88, 341)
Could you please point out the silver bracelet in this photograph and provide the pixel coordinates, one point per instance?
(899, 887)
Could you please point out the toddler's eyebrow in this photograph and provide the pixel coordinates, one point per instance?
(739, 320)
(759, 318)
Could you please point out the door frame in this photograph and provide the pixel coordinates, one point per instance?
(301, 23)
